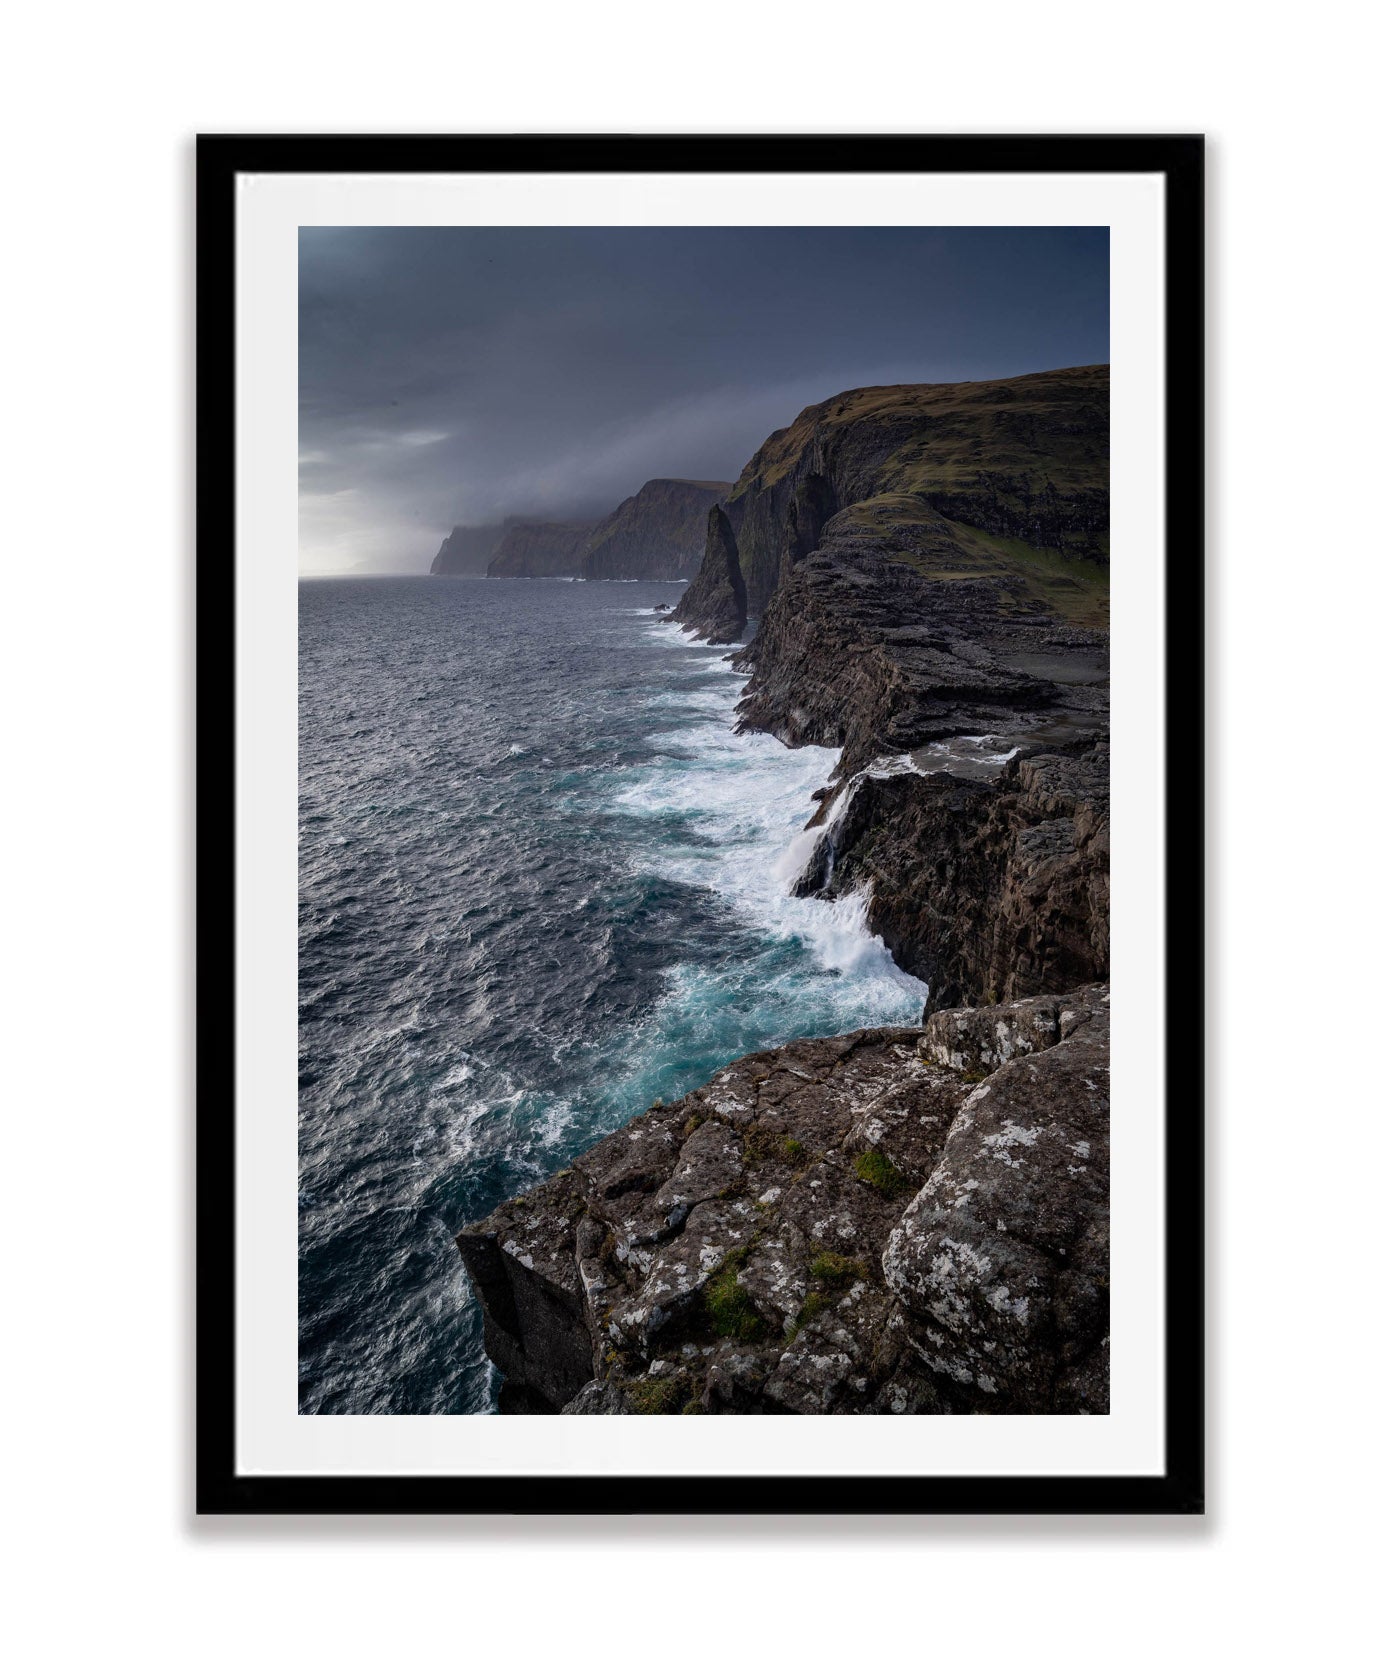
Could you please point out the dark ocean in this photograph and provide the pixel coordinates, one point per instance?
(542, 885)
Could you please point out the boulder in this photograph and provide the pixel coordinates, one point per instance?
(890, 1221)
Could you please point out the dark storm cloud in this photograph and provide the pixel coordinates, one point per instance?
(456, 375)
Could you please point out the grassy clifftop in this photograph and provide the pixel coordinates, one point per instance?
(1071, 583)
(1004, 478)
(1018, 434)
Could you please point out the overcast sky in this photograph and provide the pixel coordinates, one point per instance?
(456, 375)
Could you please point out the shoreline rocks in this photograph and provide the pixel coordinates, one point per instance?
(889, 1221)
(898, 1220)
(716, 604)
(987, 891)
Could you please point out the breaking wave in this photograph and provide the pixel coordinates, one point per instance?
(543, 884)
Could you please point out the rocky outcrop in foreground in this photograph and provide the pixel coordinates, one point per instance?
(897, 1220)
(893, 1221)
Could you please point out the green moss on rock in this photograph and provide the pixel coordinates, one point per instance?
(876, 1169)
(730, 1308)
(837, 1271)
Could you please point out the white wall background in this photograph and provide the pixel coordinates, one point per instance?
(1287, 1575)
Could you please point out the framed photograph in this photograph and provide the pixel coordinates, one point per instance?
(658, 658)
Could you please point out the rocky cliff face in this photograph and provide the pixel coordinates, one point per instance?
(466, 551)
(539, 548)
(892, 1221)
(989, 890)
(971, 807)
(1004, 478)
(898, 1220)
(658, 533)
(866, 655)
(717, 602)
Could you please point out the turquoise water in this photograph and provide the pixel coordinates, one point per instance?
(542, 885)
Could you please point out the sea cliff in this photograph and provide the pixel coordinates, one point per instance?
(1002, 478)
(540, 548)
(658, 533)
(466, 551)
(907, 1219)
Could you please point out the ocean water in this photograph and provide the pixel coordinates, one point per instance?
(542, 884)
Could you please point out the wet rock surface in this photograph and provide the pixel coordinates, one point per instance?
(716, 604)
(857, 651)
(892, 1221)
(872, 1223)
(988, 890)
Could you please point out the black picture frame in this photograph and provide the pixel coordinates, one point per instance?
(1179, 161)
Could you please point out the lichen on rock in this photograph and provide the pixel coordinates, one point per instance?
(749, 1279)
(896, 1221)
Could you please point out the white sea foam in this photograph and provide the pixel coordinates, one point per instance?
(700, 696)
(880, 769)
(731, 816)
(796, 855)
(958, 753)
(664, 631)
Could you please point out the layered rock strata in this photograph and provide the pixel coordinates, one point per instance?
(658, 533)
(892, 1221)
(717, 603)
(900, 1220)
(1005, 478)
(541, 548)
(971, 806)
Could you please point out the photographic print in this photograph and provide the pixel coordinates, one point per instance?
(707, 676)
